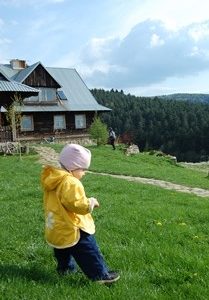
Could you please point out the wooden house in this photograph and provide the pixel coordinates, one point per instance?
(60, 104)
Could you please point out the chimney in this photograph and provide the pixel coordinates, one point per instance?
(18, 64)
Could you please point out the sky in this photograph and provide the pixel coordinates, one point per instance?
(143, 47)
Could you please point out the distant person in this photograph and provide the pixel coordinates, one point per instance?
(69, 226)
(112, 137)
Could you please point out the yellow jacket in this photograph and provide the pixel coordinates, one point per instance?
(67, 209)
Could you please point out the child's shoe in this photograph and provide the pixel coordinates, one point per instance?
(111, 277)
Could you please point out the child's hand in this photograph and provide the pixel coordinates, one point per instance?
(94, 203)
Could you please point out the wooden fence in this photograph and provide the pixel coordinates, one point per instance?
(5, 134)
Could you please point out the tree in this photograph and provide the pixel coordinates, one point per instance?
(177, 126)
(14, 116)
(98, 131)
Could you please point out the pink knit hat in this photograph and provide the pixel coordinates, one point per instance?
(74, 157)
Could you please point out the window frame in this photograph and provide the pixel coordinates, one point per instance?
(64, 122)
(31, 122)
(79, 121)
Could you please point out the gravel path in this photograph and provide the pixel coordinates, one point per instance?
(49, 156)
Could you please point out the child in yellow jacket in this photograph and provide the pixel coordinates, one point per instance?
(69, 226)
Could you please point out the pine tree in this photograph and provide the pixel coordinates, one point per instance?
(98, 131)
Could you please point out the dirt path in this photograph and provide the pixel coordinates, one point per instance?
(161, 183)
(49, 156)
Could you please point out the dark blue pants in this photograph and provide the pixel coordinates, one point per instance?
(86, 254)
(112, 142)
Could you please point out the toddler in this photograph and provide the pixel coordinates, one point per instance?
(69, 226)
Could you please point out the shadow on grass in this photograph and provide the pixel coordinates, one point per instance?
(8, 272)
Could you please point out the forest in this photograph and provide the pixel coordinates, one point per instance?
(173, 126)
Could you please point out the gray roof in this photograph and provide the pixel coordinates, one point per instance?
(41, 108)
(7, 85)
(7, 69)
(79, 98)
(78, 95)
(12, 86)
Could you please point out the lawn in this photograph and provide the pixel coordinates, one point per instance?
(104, 159)
(158, 239)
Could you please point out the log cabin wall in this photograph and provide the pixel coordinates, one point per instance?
(41, 78)
(44, 124)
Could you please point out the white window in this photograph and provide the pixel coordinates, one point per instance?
(59, 122)
(27, 123)
(80, 121)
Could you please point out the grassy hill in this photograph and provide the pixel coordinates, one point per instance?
(158, 239)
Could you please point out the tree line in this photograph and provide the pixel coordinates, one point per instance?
(179, 128)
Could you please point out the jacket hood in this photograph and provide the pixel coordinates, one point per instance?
(51, 177)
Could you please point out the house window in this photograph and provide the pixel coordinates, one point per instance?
(59, 122)
(45, 94)
(80, 121)
(27, 123)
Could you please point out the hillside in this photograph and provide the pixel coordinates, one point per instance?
(179, 128)
(202, 98)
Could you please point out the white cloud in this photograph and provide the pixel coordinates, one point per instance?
(195, 51)
(199, 32)
(178, 13)
(156, 41)
(132, 62)
(120, 44)
(98, 47)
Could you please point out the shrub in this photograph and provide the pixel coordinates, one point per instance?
(98, 131)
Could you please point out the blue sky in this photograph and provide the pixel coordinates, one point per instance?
(144, 47)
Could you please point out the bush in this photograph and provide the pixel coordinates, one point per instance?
(98, 131)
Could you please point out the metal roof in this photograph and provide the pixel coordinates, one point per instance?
(41, 108)
(12, 86)
(8, 88)
(8, 85)
(4, 77)
(78, 95)
(7, 69)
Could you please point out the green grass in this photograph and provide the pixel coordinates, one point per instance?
(104, 159)
(158, 239)
(144, 165)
